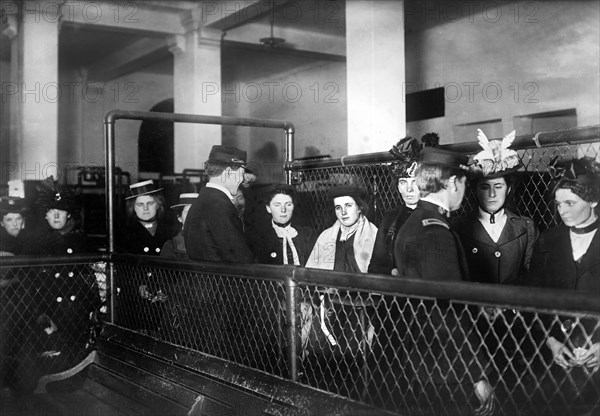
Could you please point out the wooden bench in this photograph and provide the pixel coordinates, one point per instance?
(140, 375)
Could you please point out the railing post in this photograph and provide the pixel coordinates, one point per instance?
(292, 331)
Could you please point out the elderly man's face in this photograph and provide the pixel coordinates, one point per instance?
(12, 223)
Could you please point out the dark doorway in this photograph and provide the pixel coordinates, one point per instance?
(156, 151)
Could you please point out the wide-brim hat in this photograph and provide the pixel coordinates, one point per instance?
(496, 159)
(51, 195)
(406, 152)
(12, 205)
(347, 190)
(142, 188)
(229, 155)
(443, 157)
(185, 199)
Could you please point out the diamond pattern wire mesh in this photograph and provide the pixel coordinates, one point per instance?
(421, 357)
(405, 354)
(47, 320)
(238, 319)
(531, 194)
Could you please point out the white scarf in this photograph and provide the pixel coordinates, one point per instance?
(323, 253)
(287, 233)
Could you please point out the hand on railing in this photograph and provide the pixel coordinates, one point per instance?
(561, 353)
(486, 396)
(591, 357)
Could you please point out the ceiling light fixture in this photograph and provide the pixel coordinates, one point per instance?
(272, 42)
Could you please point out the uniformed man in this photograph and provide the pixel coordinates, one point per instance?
(426, 247)
(214, 229)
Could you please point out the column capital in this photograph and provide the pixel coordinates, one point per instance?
(209, 37)
(176, 44)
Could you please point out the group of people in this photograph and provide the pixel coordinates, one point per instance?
(415, 240)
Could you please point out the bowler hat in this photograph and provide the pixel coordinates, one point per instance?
(185, 199)
(142, 188)
(228, 154)
(347, 190)
(442, 157)
(12, 205)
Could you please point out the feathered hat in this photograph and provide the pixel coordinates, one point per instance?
(496, 159)
(407, 150)
(51, 195)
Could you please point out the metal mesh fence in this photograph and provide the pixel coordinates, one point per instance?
(531, 194)
(401, 351)
(49, 318)
(236, 318)
(405, 346)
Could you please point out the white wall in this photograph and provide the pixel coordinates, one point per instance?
(540, 56)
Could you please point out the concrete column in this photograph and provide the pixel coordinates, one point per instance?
(375, 65)
(35, 109)
(197, 89)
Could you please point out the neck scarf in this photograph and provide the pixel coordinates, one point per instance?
(323, 253)
(287, 233)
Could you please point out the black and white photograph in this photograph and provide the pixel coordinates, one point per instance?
(299, 207)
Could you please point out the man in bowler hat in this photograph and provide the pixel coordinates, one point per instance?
(213, 230)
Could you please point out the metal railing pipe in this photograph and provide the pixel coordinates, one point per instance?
(561, 137)
(292, 342)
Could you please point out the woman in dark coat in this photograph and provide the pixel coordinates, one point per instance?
(281, 241)
(498, 243)
(62, 298)
(146, 231)
(140, 304)
(406, 153)
(566, 257)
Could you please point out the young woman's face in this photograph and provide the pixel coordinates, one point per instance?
(492, 193)
(12, 223)
(409, 190)
(281, 208)
(346, 210)
(57, 218)
(573, 210)
(145, 207)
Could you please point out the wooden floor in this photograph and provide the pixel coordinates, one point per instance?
(91, 399)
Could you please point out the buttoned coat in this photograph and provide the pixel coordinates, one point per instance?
(214, 231)
(505, 261)
(427, 248)
(135, 239)
(383, 252)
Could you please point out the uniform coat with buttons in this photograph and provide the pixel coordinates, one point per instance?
(427, 248)
(505, 261)
(135, 239)
(214, 231)
(268, 247)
